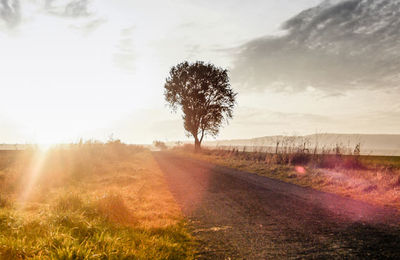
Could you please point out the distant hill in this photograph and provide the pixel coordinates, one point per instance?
(374, 144)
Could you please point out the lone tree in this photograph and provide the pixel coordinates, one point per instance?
(205, 96)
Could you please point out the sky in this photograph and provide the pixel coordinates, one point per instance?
(93, 69)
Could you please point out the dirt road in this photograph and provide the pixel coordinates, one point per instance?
(238, 215)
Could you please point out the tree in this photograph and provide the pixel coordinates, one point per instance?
(204, 94)
(160, 145)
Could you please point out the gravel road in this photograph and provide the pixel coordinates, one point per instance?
(239, 215)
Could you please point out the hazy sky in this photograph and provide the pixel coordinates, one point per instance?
(91, 68)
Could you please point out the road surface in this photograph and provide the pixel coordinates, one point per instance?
(239, 215)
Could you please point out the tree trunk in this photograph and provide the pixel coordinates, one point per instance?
(197, 144)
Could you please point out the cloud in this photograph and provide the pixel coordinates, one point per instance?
(253, 121)
(77, 8)
(73, 9)
(10, 12)
(260, 117)
(13, 13)
(334, 47)
(90, 26)
(124, 57)
(78, 12)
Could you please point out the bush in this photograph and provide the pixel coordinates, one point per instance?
(160, 145)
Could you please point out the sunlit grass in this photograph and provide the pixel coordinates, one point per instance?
(88, 201)
(74, 229)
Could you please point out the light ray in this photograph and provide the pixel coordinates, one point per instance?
(33, 175)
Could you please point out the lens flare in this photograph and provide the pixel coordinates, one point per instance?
(300, 170)
(35, 170)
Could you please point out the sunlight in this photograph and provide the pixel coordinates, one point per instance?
(199, 129)
(35, 170)
(44, 147)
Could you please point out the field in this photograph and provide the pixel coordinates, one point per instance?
(381, 162)
(88, 201)
(111, 201)
(374, 179)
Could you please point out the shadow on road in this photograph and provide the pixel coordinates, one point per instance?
(241, 215)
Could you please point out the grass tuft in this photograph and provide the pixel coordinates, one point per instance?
(68, 202)
(4, 202)
(113, 207)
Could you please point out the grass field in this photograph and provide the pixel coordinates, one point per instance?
(374, 179)
(381, 162)
(88, 201)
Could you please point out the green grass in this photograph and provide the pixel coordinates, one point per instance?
(93, 201)
(390, 162)
(77, 230)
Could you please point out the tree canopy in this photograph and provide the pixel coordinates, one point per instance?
(204, 94)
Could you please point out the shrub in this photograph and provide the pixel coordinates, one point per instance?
(160, 145)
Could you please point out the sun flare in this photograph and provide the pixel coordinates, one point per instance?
(34, 171)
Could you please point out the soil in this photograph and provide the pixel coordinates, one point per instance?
(239, 215)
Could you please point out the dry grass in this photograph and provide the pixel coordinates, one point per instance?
(372, 179)
(88, 201)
